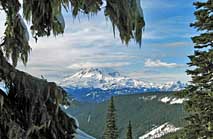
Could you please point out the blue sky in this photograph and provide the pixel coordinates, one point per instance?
(91, 43)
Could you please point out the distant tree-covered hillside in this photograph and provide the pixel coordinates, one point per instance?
(144, 110)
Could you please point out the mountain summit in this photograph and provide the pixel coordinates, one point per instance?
(100, 78)
(98, 82)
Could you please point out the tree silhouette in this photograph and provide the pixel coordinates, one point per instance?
(111, 131)
(129, 131)
(200, 92)
(31, 108)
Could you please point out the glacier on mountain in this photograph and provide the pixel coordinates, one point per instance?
(94, 84)
(103, 79)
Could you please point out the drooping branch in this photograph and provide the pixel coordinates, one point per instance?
(31, 109)
(46, 18)
(127, 16)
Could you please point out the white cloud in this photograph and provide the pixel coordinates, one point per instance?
(160, 77)
(90, 43)
(97, 65)
(158, 63)
(147, 4)
(178, 44)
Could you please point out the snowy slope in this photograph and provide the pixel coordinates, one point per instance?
(101, 78)
(79, 133)
(105, 79)
(172, 100)
(98, 85)
(166, 99)
(2, 87)
(160, 131)
(82, 135)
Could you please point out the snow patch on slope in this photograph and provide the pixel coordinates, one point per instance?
(97, 85)
(109, 79)
(160, 131)
(3, 88)
(89, 118)
(82, 135)
(79, 133)
(172, 100)
(66, 107)
(101, 78)
(148, 98)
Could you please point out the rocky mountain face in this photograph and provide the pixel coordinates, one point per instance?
(98, 85)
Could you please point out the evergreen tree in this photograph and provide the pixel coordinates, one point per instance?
(125, 15)
(200, 91)
(31, 108)
(111, 131)
(129, 131)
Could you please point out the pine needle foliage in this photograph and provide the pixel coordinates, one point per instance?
(45, 17)
(129, 131)
(200, 91)
(111, 131)
(31, 109)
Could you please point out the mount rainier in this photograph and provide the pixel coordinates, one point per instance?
(97, 85)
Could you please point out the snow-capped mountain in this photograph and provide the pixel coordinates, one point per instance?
(105, 79)
(101, 78)
(99, 84)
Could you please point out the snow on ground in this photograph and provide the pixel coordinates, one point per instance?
(148, 97)
(66, 107)
(82, 135)
(172, 100)
(2, 87)
(89, 118)
(79, 133)
(160, 131)
(166, 99)
(76, 121)
(178, 100)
